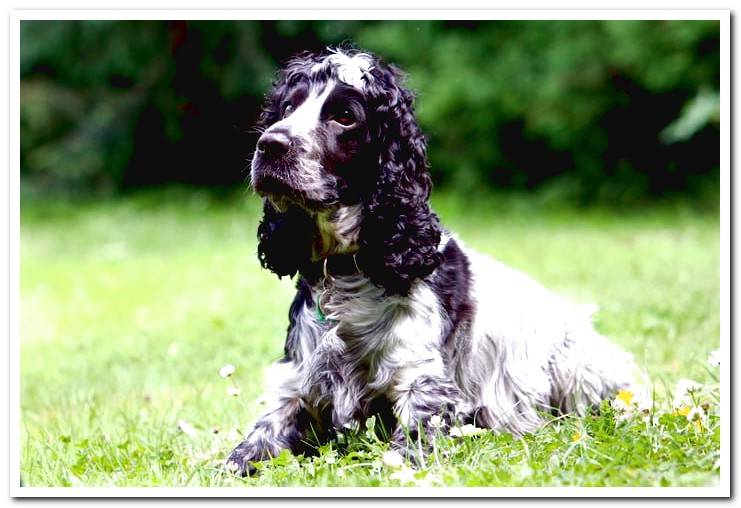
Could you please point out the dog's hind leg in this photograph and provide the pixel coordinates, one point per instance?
(588, 368)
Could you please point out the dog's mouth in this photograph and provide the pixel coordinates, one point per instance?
(282, 194)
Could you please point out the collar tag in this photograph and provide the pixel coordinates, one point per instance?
(319, 314)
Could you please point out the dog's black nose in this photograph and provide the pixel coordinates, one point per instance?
(274, 144)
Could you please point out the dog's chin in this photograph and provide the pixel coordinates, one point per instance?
(283, 195)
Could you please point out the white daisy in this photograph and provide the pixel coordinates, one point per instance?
(466, 430)
(697, 417)
(685, 386)
(436, 421)
(684, 390)
(227, 370)
(620, 406)
(187, 428)
(624, 404)
(393, 459)
(695, 413)
(714, 358)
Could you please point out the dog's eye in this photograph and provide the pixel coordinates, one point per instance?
(287, 110)
(345, 118)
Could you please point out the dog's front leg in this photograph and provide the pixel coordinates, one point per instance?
(420, 394)
(278, 429)
(281, 427)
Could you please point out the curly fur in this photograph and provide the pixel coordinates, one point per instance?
(284, 240)
(408, 323)
(399, 234)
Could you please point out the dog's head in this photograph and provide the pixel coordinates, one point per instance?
(341, 163)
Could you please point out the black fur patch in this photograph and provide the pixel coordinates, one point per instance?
(303, 297)
(452, 285)
(284, 239)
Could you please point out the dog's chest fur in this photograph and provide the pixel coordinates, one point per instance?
(363, 347)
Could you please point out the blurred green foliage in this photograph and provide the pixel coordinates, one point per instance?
(608, 110)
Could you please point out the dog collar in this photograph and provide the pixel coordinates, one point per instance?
(325, 270)
(336, 265)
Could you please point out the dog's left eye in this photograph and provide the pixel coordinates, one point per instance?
(344, 118)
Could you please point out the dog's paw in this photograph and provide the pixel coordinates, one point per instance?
(241, 460)
(411, 447)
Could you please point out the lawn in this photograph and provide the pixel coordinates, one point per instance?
(130, 307)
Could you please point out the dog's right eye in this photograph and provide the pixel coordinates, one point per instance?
(344, 118)
(287, 110)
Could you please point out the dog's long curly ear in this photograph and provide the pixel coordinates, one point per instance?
(400, 234)
(284, 240)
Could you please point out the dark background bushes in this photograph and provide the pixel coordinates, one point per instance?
(615, 111)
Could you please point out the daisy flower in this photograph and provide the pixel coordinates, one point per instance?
(436, 421)
(697, 417)
(187, 428)
(466, 430)
(683, 392)
(623, 401)
(623, 405)
(227, 370)
(714, 358)
(685, 386)
(392, 459)
(628, 403)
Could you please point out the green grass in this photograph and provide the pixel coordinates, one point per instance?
(130, 307)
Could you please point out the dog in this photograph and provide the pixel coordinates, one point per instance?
(393, 315)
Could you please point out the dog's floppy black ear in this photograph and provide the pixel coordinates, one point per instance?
(284, 239)
(400, 234)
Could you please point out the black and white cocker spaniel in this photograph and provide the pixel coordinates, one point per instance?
(393, 315)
